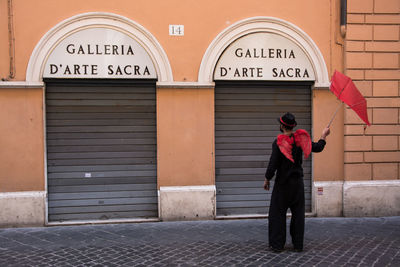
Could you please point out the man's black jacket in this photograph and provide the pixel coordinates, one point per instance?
(286, 168)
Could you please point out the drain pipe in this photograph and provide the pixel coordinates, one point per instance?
(343, 17)
(11, 42)
(343, 30)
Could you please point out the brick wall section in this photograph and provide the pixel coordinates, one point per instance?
(373, 62)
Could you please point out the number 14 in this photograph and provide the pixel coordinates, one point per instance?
(177, 30)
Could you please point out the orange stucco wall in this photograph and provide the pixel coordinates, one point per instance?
(22, 148)
(328, 165)
(368, 53)
(185, 136)
(185, 117)
(203, 21)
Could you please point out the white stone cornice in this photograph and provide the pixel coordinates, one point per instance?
(188, 188)
(19, 84)
(185, 85)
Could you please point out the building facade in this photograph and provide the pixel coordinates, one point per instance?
(166, 110)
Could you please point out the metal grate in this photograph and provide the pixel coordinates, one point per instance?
(101, 149)
(245, 127)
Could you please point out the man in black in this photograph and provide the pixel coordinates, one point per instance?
(286, 160)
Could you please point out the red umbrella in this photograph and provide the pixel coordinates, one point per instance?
(345, 90)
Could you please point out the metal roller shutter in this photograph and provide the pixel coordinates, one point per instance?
(101, 149)
(245, 127)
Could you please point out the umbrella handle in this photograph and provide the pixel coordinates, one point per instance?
(334, 115)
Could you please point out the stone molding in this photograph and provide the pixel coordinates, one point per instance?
(187, 202)
(264, 24)
(23, 208)
(79, 22)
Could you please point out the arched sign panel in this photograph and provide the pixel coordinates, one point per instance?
(264, 56)
(99, 53)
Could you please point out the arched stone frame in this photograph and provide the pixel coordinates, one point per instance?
(46, 45)
(263, 24)
(80, 22)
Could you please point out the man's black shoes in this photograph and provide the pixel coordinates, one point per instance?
(276, 250)
(279, 250)
(297, 250)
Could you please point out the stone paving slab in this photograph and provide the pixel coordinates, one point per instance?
(328, 242)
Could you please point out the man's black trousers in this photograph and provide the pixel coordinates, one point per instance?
(287, 195)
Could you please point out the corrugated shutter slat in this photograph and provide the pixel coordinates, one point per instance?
(101, 150)
(245, 127)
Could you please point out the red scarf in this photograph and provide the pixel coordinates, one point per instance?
(301, 138)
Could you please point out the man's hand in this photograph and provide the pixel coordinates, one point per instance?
(266, 184)
(325, 133)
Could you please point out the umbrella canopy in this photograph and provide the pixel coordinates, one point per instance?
(346, 91)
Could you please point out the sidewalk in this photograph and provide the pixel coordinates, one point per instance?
(328, 242)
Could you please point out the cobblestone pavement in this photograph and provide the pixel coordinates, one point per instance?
(328, 242)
